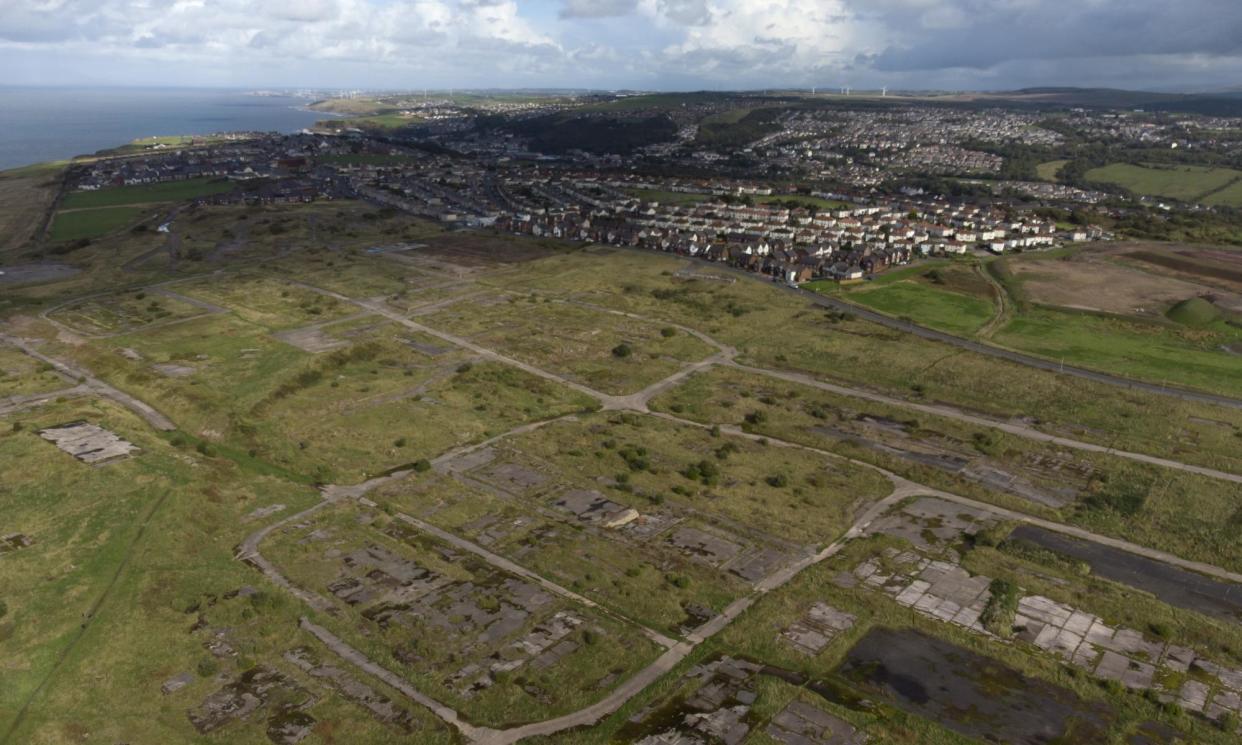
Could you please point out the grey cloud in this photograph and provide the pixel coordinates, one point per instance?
(688, 12)
(989, 34)
(597, 8)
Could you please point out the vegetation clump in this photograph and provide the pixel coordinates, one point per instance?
(998, 615)
(1195, 312)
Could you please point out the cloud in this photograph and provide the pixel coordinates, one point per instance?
(980, 35)
(642, 43)
(688, 12)
(597, 8)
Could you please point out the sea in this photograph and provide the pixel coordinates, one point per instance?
(42, 124)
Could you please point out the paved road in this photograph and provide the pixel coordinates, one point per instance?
(1012, 428)
(97, 386)
(985, 349)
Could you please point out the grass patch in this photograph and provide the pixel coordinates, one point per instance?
(172, 191)
(924, 304)
(92, 223)
(1184, 183)
(1049, 170)
(1149, 351)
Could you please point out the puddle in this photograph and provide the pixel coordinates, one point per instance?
(970, 693)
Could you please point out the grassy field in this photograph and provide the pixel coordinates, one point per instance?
(810, 505)
(633, 578)
(172, 191)
(1184, 183)
(1185, 514)
(128, 548)
(954, 312)
(289, 388)
(92, 223)
(781, 331)
(606, 351)
(1145, 350)
(1048, 171)
(602, 645)
(1230, 196)
(21, 374)
(123, 312)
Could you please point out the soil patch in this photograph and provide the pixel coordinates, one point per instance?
(1102, 286)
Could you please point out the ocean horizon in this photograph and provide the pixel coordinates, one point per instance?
(39, 124)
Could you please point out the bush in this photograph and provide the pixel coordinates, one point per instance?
(207, 667)
(622, 351)
(668, 332)
(422, 466)
(778, 481)
(1002, 606)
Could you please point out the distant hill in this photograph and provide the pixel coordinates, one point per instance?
(1221, 103)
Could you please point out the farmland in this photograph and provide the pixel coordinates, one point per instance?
(1184, 183)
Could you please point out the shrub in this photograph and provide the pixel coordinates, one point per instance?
(207, 667)
(422, 466)
(668, 332)
(680, 581)
(622, 350)
(1002, 606)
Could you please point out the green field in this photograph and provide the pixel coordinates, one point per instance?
(1048, 171)
(1185, 183)
(172, 191)
(1230, 196)
(92, 223)
(1149, 351)
(938, 309)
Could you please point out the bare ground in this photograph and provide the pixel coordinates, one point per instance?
(1092, 283)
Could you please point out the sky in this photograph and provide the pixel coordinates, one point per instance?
(614, 44)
